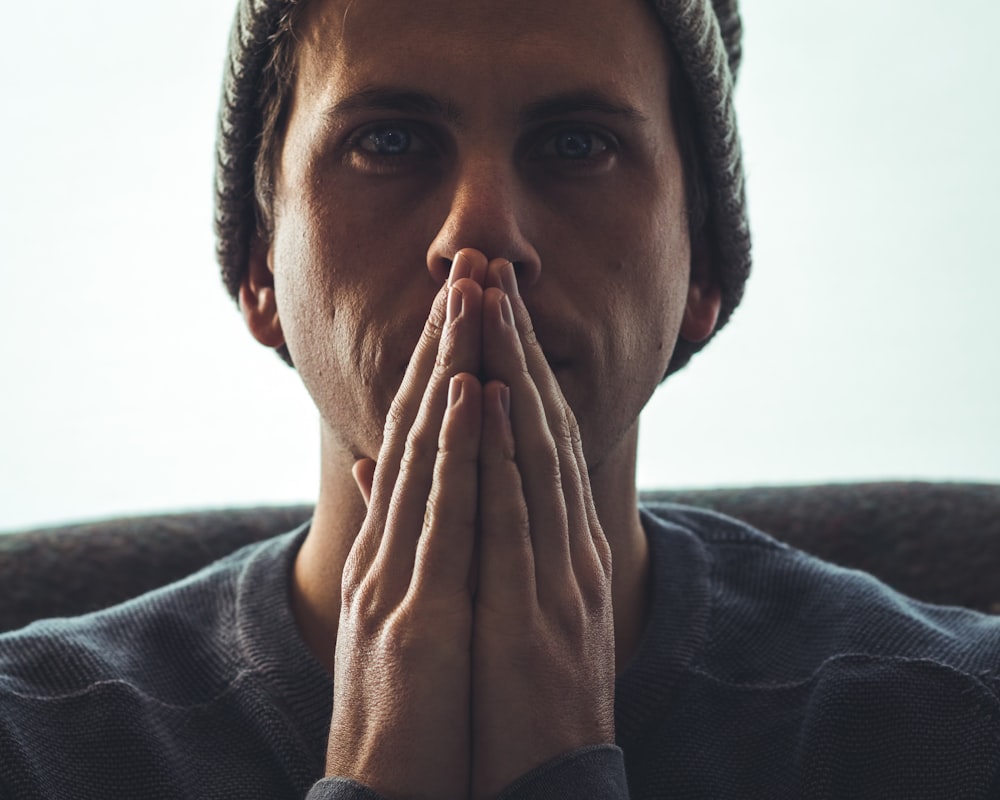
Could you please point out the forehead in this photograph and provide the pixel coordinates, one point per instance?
(481, 45)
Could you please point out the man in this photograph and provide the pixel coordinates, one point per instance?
(483, 233)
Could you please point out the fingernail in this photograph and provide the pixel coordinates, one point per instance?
(459, 268)
(454, 305)
(505, 400)
(509, 279)
(454, 391)
(506, 311)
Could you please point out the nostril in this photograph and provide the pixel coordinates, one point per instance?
(440, 269)
(526, 272)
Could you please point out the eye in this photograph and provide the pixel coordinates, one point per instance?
(574, 145)
(389, 140)
(390, 148)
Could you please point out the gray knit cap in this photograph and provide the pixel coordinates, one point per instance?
(706, 37)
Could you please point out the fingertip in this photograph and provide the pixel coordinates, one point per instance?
(508, 279)
(495, 271)
(480, 267)
(468, 263)
(462, 418)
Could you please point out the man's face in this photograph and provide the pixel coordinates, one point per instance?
(538, 132)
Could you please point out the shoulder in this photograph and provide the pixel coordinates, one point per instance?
(202, 688)
(777, 613)
(813, 676)
(189, 628)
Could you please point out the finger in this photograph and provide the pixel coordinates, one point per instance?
(501, 276)
(397, 424)
(405, 406)
(402, 413)
(363, 472)
(474, 267)
(459, 352)
(586, 560)
(541, 466)
(581, 516)
(444, 551)
(506, 579)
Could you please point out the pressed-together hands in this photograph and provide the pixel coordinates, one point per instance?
(476, 637)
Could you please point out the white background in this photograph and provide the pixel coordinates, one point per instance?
(866, 348)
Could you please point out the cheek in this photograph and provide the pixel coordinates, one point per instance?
(329, 333)
(302, 290)
(650, 279)
(352, 295)
(316, 292)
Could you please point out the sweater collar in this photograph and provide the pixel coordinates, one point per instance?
(675, 631)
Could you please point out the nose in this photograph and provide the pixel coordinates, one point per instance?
(488, 211)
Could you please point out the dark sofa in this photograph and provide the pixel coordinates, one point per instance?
(938, 542)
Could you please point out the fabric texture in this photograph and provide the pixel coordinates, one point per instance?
(762, 673)
(706, 36)
(938, 542)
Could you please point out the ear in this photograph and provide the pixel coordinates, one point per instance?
(704, 296)
(257, 299)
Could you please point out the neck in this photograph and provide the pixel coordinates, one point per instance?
(612, 484)
(340, 512)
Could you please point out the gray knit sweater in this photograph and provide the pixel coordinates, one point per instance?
(763, 673)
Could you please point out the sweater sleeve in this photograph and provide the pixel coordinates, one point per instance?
(341, 789)
(597, 771)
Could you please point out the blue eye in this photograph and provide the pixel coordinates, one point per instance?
(387, 141)
(391, 147)
(574, 144)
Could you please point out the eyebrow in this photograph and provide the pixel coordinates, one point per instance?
(578, 102)
(411, 101)
(389, 98)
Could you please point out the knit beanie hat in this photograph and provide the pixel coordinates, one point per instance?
(706, 37)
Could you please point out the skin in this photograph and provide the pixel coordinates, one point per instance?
(479, 314)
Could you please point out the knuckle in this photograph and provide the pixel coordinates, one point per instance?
(444, 362)
(349, 589)
(418, 449)
(359, 601)
(353, 574)
(396, 415)
(434, 327)
(572, 427)
(433, 516)
(400, 636)
(546, 461)
(595, 583)
(564, 442)
(604, 555)
(528, 334)
(565, 429)
(393, 638)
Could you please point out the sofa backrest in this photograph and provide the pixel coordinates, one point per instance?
(938, 542)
